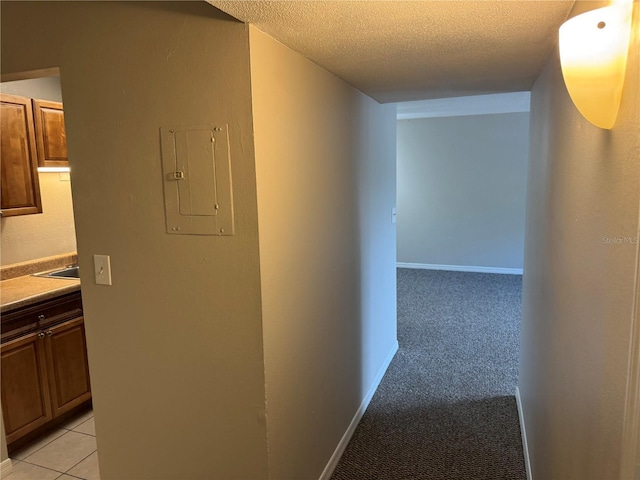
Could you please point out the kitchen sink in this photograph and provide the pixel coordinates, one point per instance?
(72, 271)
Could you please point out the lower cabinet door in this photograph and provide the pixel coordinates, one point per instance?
(66, 349)
(25, 390)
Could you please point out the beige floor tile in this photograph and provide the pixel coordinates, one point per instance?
(87, 469)
(64, 452)
(26, 471)
(64, 476)
(75, 421)
(38, 444)
(88, 427)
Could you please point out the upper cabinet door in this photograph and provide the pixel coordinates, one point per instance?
(19, 168)
(50, 134)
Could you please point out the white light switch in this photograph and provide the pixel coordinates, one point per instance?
(102, 268)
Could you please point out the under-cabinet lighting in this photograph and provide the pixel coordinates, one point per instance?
(53, 169)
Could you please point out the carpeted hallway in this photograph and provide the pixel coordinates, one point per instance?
(445, 409)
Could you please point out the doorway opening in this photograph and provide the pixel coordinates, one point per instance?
(47, 420)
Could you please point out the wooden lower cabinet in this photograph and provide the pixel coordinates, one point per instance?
(25, 387)
(44, 375)
(68, 370)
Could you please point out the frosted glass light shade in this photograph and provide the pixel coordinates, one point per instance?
(593, 55)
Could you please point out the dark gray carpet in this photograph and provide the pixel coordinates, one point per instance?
(445, 409)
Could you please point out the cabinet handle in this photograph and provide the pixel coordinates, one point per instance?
(41, 335)
(49, 333)
(40, 317)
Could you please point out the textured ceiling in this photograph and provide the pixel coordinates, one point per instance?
(409, 50)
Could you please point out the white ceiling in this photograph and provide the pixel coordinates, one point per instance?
(411, 50)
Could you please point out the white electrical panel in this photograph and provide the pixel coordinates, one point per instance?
(197, 180)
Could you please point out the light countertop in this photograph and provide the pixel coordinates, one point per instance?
(26, 290)
(19, 289)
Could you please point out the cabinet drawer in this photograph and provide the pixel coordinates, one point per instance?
(40, 316)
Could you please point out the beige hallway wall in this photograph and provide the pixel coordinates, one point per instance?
(175, 344)
(580, 263)
(325, 165)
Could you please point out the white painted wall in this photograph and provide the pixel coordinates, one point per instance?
(326, 187)
(52, 232)
(461, 190)
(44, 88)
(578, 288)
(464, 106)
(175, 345)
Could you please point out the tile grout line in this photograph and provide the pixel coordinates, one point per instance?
(82, 433)
(35, 451)
(65, 473)
(88, 419)
(45, 468)
(70, 468)
(67, 430)
(80, 463)
(58, 471)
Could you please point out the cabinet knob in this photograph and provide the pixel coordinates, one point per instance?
(49, 333)
(41, 335)
(41, 317)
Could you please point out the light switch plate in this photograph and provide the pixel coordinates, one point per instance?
(102, 269)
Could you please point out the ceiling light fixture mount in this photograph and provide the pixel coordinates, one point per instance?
(593, 55)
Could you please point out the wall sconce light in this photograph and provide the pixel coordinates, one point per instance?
(593, 55)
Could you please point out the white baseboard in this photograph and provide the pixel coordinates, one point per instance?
(525, 445)
(344, 441)
(6, 467)
(461, 268)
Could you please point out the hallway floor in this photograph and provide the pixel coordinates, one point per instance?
(66, 453)
(445, 410)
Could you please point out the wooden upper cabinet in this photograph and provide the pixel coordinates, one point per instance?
(18, 165)
(51, 136)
